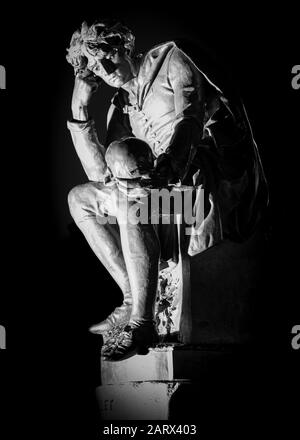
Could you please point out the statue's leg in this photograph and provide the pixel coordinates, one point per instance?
(87, 204)
(141, 252)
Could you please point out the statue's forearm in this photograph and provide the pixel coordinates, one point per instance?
(80, 112)
(90, 152)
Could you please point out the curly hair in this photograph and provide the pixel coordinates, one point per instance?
(99, 38)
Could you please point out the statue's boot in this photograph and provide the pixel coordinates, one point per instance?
(140, 246)
(119, 317)
(132, 340)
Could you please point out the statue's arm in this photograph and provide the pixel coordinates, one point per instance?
(83, 132)
(189, 98)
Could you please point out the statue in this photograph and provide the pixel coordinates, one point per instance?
(174, 123)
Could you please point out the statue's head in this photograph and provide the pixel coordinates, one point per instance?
(106, 49)
(129, 158)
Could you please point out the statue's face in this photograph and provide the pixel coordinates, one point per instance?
(118, 62)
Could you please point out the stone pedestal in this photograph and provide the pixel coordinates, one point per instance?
(210, 298)
(162, 363)
(156, 386)
(146, 400)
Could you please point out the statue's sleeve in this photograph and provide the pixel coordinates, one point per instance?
(89, 150)
(189, 93)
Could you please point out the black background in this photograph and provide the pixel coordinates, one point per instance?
(52, 286)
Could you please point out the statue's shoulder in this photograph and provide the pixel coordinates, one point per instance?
(179, 50)
(156, 55)
(160, 49)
